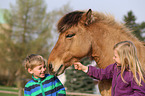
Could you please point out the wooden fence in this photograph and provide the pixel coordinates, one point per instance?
(67, 93)
(80, 94)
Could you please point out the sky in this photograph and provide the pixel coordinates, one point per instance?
(118, 8)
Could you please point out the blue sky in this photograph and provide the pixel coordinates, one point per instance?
(118, 8)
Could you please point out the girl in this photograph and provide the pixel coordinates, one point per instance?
(127, 74)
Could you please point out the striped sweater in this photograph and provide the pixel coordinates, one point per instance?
(48, 86)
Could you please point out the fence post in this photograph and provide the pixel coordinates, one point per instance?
(20, 92)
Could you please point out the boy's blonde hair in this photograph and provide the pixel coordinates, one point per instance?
(129, 61)
(33, 60)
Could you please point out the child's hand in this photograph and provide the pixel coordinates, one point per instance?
(80, 66)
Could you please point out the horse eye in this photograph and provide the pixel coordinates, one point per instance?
(70, 35)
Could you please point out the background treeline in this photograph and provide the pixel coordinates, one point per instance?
(30, 29)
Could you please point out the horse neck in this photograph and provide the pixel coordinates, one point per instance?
(104, 37)
(102, 53)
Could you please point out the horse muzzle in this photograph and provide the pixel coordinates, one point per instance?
(57, 72)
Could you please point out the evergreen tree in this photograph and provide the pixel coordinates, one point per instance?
(142, 28)
(137, 29)
(78, 81)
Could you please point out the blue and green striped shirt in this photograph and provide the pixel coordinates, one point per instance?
(48, 86)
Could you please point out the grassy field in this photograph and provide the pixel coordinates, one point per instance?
(9, 91)
(5, 94)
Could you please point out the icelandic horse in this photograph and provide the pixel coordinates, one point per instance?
(93, 34)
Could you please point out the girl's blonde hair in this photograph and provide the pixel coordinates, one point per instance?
(33, 60)
(129, 61)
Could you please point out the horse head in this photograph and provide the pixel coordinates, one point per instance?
(74, 41)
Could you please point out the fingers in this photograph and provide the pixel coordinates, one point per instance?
(77, 65)
(80, 66)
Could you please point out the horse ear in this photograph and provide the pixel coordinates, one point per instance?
(88, 17)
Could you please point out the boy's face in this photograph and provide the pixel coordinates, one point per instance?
(38, 71)
(116, 58)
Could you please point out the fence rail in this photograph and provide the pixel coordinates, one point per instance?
(67, 93)
(81, 94)
(8, 92)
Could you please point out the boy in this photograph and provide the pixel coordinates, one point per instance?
(41, 84)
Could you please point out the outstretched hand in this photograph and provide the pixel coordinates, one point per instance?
(80, 66)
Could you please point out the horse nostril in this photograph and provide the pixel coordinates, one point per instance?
(50, 66)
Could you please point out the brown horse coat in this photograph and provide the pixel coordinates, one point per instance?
(89, 34)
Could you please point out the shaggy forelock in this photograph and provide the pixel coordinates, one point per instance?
(69, 20)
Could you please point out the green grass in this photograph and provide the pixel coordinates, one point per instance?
(5, 94)
(11, 89)
(4, 88)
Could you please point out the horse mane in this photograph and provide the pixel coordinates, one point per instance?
(73, 18)
(69, 20)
